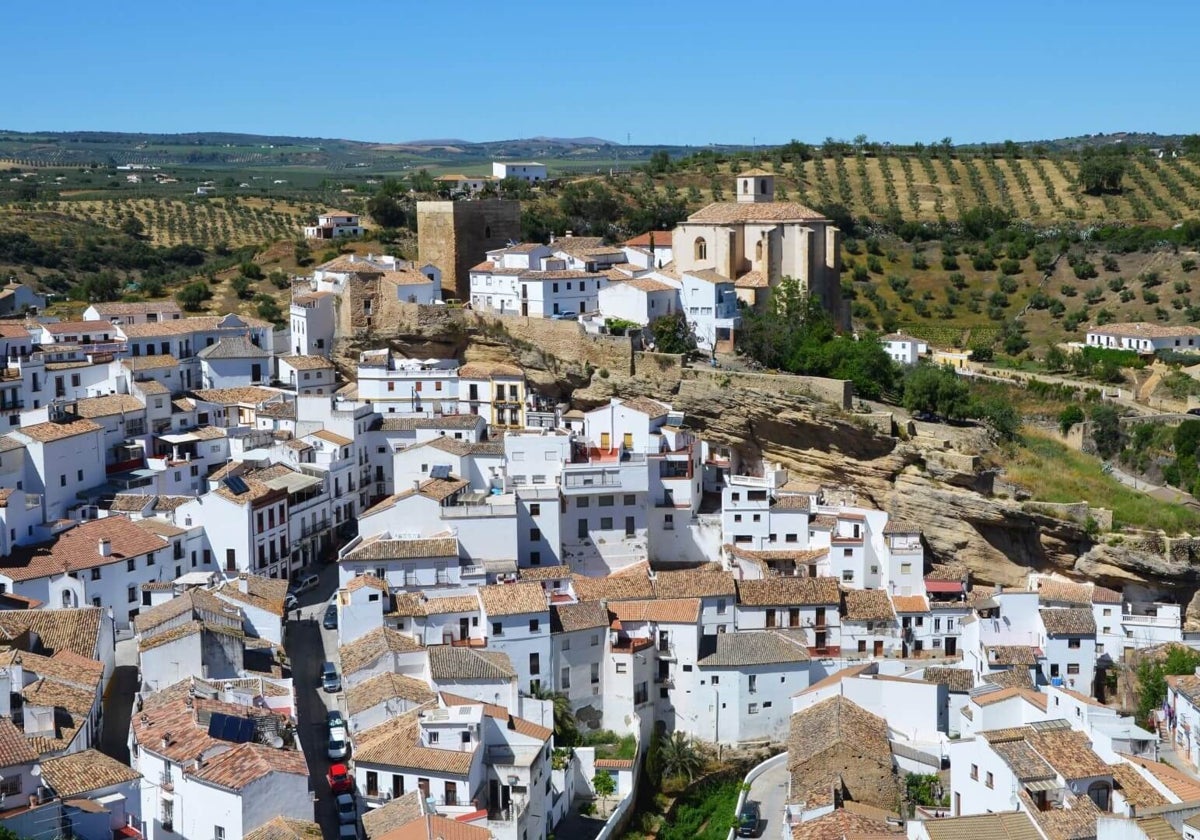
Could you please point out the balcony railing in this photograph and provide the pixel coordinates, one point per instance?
(472, 511)
(604, 479)
(1151, 620)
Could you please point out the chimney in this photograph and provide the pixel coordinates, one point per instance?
(416, 485)
(166, 740)
(569, 234)
(105, 548)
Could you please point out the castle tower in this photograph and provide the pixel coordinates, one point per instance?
(755, 186)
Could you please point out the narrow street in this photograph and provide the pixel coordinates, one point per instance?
(118, 703)
(770, 792)
(309, 646)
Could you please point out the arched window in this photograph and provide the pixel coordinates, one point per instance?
(1098, 792)
(758, 251)
(701, 248)
(746, 187)
(67, 600)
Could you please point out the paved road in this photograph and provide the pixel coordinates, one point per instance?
(770, 792)
(309, 646)
(118, 703)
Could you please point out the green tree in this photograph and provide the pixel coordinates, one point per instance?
(1106, 430)
(604, 784)
(251, 270)
(1152, 678)
(303, 253)
(192, 296)
(1068, 417)
(673, 334)
(660, 163)
(132, 226)
(242, 287)
(1055, 359)
(387, 211)
(1101, 171)
(680, 756)
(422, 182)
(999, 414)
(937, 390)
(566, 731)
(268, 309)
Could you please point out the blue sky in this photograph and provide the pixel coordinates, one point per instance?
(657, 71)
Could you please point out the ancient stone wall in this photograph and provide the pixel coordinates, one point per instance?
(836, 391)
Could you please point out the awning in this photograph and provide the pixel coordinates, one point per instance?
(186, 437)
(943, 587)
(1040, 785)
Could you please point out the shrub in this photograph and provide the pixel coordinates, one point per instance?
(1094, 295)
(1010, 266)
(949, 262)
(252, 270)
(1149, 296)
(1068, 417)
(874, 265)
(1188, 265)
(1084, 270)
(1068, 291)
(919, 262)
(1116, 284)
(860, 274)
(852, 246)
(1110, 263)
(1150, 279)
(983, 261)
(958, 280)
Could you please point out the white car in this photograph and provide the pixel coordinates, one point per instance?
(339, 745)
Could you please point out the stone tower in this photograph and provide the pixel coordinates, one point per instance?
(755, 186)
(456, 235)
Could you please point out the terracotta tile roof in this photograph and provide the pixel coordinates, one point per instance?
(648, 284)
(1141, 329)
(332, 437)
(792, 501)
(651, 408)
(446, 421)
(752, 280)
(545, 573)
(1069, 622)
(694, 583)
(586, 615)
(255, 491)
(307, 362)
(799, 556)
(232, 347)
(1011, 655)
(401, 810)
(843, 824)
(868, 605)
(730, 212)
(1011, 825)
(1180, 784)
(67, 667)
(958, 680)
(74, 630)
(69, 327)
(1134, 787)
(264, 593)
(665, 610)
(1012, 678)
(910, 603)
(285, 828)
(369, 581)
(158, 307)
(1022, 758)
(452, 604)
(614, 763)
(1077, 822)
(787, 591)
(1069, 752)
(501, 599)
(519, 725)
(77, 549)
(141, 363)
(159, 527)
(576, 244)
(838, 676)
(823, 520)
(487, 370)
(383, 687)
(380, 547)
(447, 663)
(396, 743)
(131, 502)
(246, 395)
(837, 733)
(83, 772)
(437, 826)
(169, 716)
(14, 749)
(200, 323)
(1051, 590)
(247, 763)
(50, 432)
(623, 586)
(753, 648)
(367, 650)
(183, 631)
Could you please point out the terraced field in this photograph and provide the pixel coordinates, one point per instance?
(168, 221)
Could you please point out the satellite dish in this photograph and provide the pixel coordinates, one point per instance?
(277, 742)
(35, 770)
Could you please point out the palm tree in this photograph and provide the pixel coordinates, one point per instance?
(566, 733)
(679, 755)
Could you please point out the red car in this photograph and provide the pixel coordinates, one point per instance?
(340, 780)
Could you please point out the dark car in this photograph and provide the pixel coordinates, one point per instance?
(334, 719)
(330, 620)
(749, 820)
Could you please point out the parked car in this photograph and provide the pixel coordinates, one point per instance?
(338, 745)
(566, 316)
(349, 831)
(330, 681)
(304, 584)
(339, 778)
(330, 620)
(334, 719)
(749, 820)
(347, 811)
(290, 602)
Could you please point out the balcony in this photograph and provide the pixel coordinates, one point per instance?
(469, 643)
(630, 646)
(603, 478)
(310, 529)
(666, 650)
(1151, 620)
(479, 510)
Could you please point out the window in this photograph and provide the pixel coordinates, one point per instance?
(700, 249)
(1072, 667)
(433, 737)
(737, 517)
(218, 832)
(1073, 643)
(535, 558)
(595, 639)
(566, 643)
(372, 783)
(975, 772)
(716, 680)
(11, 785)
(564, 680)
(131, 564)
(847, 552)
(789, 538)
(96, 574)
(622, 667)
(533, 625)
(535, 534)
(132, 594)
(583, 502)
(722, 606)
(535, 509)
(535, 663)
(1107, 611)
(848, 575)
(630, 500)
(497, 628)
(991, 781)
(606, 523)
(906, 568)
(752, 709)
(595, 673)
(606, 501)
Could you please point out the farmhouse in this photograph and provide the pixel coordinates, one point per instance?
(1144, 338)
